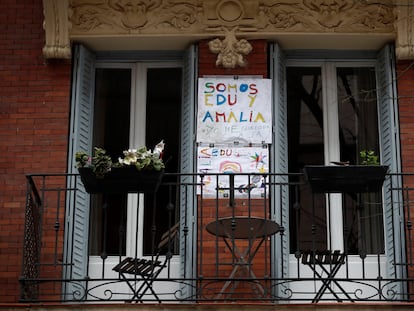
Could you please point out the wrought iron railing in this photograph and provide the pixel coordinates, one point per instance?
(239, 237)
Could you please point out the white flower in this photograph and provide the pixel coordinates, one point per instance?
(159, 148)
(142, 159)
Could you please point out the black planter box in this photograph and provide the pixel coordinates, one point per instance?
(348, 178)
(121, 180)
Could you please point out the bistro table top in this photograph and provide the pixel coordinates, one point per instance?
(243, 227)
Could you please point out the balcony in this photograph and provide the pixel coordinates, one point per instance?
(240, 238)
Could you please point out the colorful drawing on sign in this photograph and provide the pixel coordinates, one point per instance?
(233, 160)
(234, 110)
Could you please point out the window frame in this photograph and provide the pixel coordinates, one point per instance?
(384, 59)
(330, 111)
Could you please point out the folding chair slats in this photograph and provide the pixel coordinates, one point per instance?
(137, 266)
(168, 236)
(323, 257)
(146, 268)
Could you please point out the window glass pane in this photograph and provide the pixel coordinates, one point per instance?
(358, 130)
(357, 106)
(163, 122)
(111, 131)
(306, 146)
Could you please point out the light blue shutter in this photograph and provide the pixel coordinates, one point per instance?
(77, 212)
(188, 208)
(390, 149)
(279, 164)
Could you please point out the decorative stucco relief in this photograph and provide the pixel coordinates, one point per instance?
(404, 48)
(340, 16)
(56, 26)
(230, 50)
(66, 19)
(172, 16)
(133, 16)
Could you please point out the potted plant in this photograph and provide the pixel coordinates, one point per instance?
(342, 177)
(139, 170)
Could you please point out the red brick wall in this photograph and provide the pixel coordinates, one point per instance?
(34, 108)
(405, 74)
(256, 61)
(256, 64)
(405, 84)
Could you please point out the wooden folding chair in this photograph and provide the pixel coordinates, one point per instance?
(147, 269)
(330, 263)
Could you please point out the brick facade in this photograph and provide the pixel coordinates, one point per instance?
(405, 85)
(208, 264)
(256, 61)
(34, 107)
(405, 91)
(35, 110)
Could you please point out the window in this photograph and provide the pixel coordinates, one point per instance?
(118, 92)
(111, 131)
(82, 260)
(332, 116)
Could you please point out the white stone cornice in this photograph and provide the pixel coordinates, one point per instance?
(56, 26)
(404, 11)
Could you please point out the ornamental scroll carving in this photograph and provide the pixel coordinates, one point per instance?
(172, 16)
(339, 16)
(56, 26)
(124, 17)
(74, 19)
(133, 14)
(230, 50)
(405, 26)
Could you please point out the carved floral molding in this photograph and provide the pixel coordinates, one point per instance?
(161, 16)
(230, 50)
(405, 29)
(56, 26)
(66, 19)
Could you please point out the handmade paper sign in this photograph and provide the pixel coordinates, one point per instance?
(234, 110)
(233, 160)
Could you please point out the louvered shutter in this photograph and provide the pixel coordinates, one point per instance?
(77, 212)
(188, 216)
(390, 148)
(279, 163)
